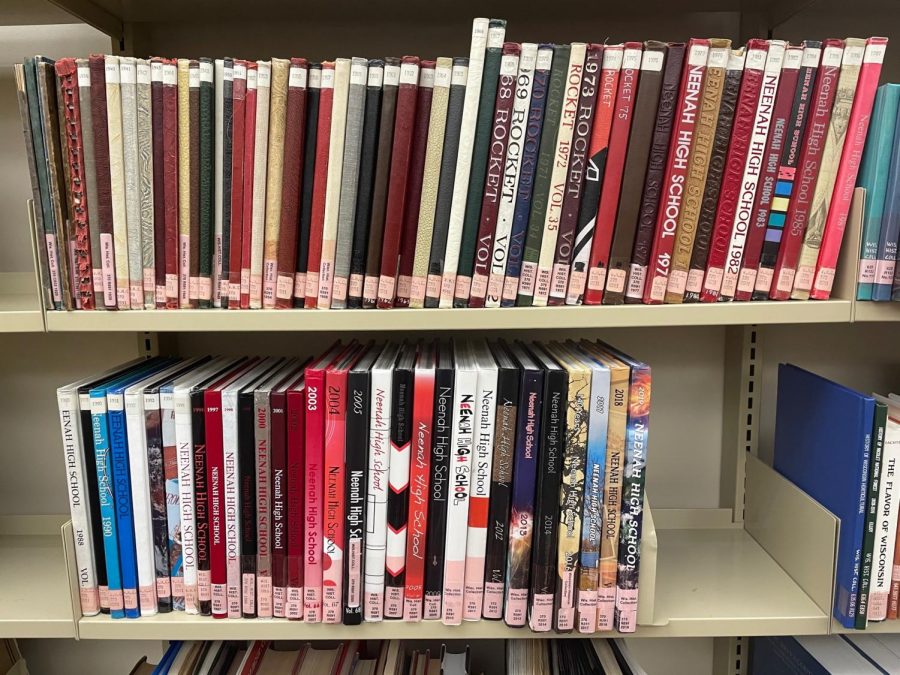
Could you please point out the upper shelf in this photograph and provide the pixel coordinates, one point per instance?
(719, 314)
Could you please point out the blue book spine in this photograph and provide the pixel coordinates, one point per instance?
(873, 176)
(107, 504)
(782, 655)
(890, 230)
(167, 658)
(522, 210)
(121, 483)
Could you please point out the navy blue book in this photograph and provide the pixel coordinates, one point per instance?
(823, 440)
(812, 655)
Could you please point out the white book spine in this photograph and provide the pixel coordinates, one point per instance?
(79, 502)
(219, 173)
(464, 159)
(260, 161)
(464, 417)
(139, 471)
(480, 486)
(377, 493)
(173, 499)
(886, 523)
(231, 493)
(185, 447)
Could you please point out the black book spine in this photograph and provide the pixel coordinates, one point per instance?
(158, 515)
(398, 494)
(201, 497)
(306, 188)
(90, 472)
(501, 492)
(546, 508)
(357, 444)
(247, 469)
(438, 487)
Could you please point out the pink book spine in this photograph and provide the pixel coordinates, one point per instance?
(848, 168)
(335, 461)
(315, 479)
(263, 533)
(215, 469)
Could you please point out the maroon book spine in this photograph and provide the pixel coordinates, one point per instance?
(238, 116)
(170, 181)
(404, 123)
(278, 459)
(159, 180)
(97, 66)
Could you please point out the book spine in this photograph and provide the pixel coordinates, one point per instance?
(173, 499)
(183, 136)
(231, 505)
(404, 125)
(482, 31)
(377, 494)
(677, 170)
(462, 446)
(521, 516)
(231, 271)
(546, 508)
(716, 68)
(206, 183)
(224, 153)
(132, 215)
(390, 91)
(438, 485)
(247, 467)
(139, 480)
(215, 472)
(200, 457)
(171, 182)
(813, 146)
(420, 468)
(121, 488)
(845, 181)
(649, 114)
(398, 492)
(501, 492)
(531, 145)
(310, 145)
(196, 170)
(769, 174)
(715, 173)
(540, 192)
(431, 172)
(275, 171)
(296, 446)
(575, 182)
(604, 219)
(357, 431)
(356, 105)
(263, 522)
(608, 87)
(873, 473)
(278, 502)
(156, 480)
(333, 546)
(743, 215)
(738, 150)
(493, 175)
(835, 142)
(894, 597)
(481, 142)
(320, 184)
(79, 506)
(410, 235)
(187, 501)
(117, 181)
(145, 183)
(886, 523)
(103, 459)
(480, 491)
(334, 181)
(259, 183)
(159, 181)
(368, 156)
(313, 497)
(247, 188)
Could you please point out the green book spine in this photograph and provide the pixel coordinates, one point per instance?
(480, 148)
(555, 92)
(868, 547)
(207, 143)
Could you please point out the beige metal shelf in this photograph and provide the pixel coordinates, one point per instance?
(514, 318)
(20, 304)
(876, 311)
(35, 601)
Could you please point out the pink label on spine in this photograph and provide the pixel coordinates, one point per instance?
(596, 279)
(729, 284)
(204, 585)
(53, 265)
(785, 280)
(412, 609)
(479, 286)
(234, 602)
(245, 281)
(149, 280)
(462, 288)
(658, 288)
(866, 272)
(431, 607)
(433, 287)
(248, 593)
(160, 295)
(694, 281)
(493, 600)
(542, 286)
(747, 280)
(103, 592)
(178, 587)
(576, 286)
(312, 604)
(884, 271)
(147, 597)
(404, 286)
(541, 619)
(803, 281)
(98, 281)
(116, 600)
(294, 607)
(356, 285)
(171, 285)
(448, 285)
(370, 288)
(587, 611)
(130, 596)
(279, 599)
(677, 282)
(417, 291)
(312, 285)
(615, 281)
(626, 610)
(527, 278)
(510, 288)
(224, 287)
(90, 601)
(495, 287)
(163, 588)
(393, 602)
(184, 267)
(339, 290)
(204, 288)
(560, 280)
(136, 297)
(220, 599)
(516, 606)
(386, 288)
(713, 280)
(191, 605)
(300, 284)
(107, 265)
(606, 606)
(255, 287)
(764, 279)
(374, 607)
(824, 280)
(264, 596)
(331, 605)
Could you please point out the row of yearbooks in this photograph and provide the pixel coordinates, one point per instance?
(418, 481)
(390, 657)
(526, 174)
(842, 448)
(825, 655)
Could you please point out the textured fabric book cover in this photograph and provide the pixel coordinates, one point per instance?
(278, 95)
(129, 116)
(260, 168)
(310, 143)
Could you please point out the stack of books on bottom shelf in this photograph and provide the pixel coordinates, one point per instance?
(842, 448)
(825, 655)
(445, 481)
(390, 657)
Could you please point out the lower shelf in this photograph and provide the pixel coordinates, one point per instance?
(876, 311)
(892, 626)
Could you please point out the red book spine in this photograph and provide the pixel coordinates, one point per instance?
(80, 247)
(238, 100)
(313, 498)
(686, 116)
(296, 445)
(805, 184)
(170, 159)
(404, 124)
(414, 185)
(215, 471)
(278, 450)
(848, 168)
(419, 473)
(612, 176)
(295, 127)
(745, 111)
(159, 181)
(249, 163)
(790, 75)
(335, 460)
(317, 226)
(493, 177)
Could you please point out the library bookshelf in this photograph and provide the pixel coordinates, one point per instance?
(738, 550)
